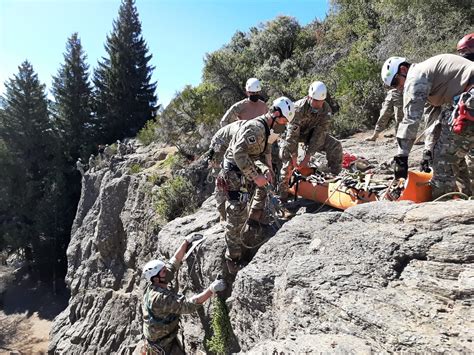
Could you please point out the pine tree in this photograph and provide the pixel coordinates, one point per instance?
(124, 94)
(73, 102)
(29, 153)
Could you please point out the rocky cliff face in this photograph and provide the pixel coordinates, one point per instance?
(377, 277)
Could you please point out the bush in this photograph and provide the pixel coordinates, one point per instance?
(148, 133)
(135, 169)
(175, 198)
(221, 328)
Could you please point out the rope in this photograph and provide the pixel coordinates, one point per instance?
(257, 245)
(454, 193)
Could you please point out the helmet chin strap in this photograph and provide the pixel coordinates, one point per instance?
(273, 122)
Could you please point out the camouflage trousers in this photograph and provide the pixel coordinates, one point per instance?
(452, 160)
(333, 149)
(238, 197)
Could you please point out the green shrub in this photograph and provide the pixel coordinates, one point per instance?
(175, 198)
(221, 328)
(135, 169)
(148, 133)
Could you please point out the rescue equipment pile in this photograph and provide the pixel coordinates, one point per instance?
(352, 188)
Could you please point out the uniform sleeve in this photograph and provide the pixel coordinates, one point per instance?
(244, 139)
(316, 142)
(231, 115)
(293, 134)
(168, 302)
(386, 112)
(415, 96)
(219, 146)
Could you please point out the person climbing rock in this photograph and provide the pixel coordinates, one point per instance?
(162, 307)
(311, 126)
(248, 108)
(92, 163)
(247, 167)
(437, 81)
(121, 149)
(219, 144)
(391, 107)
(80, 166)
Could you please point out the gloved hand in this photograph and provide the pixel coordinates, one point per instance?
(193, 237)
(217, 286)
(260, 180)
(400, 166)
(426, 161)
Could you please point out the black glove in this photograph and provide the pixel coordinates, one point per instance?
(426, 161)
(400, 167)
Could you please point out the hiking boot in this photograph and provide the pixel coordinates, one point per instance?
(232, 266)
(373, 137)
(286, 214)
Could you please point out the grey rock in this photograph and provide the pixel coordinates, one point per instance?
(379, 277)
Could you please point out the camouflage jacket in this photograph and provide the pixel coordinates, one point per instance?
(161, 309)
(308, 127)
(249, 145)
(435, 81)
(221, 139)
(393, 99)
(244, 110)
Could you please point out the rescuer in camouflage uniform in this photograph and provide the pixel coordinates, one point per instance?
(219, 144)
(311, 126)
(162, 307)
(465, 170)
(391, 107)
(438, 80)
(248, 108)
(241, 174)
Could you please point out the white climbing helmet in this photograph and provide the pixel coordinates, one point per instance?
(286, 106)
(253, 85)
(390, 69)
(152, 268)
(318, 90)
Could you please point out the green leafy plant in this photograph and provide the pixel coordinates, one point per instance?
(135, 169)
(221, 328)
(148, 133)
(175, 198)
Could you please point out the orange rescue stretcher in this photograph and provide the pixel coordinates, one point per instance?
(346, 191)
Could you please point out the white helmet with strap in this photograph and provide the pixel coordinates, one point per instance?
(152, 268)
(317, 90)
(286, 107)
(390, 69)
(253, 85)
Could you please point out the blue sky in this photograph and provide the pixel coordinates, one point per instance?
(178, 32)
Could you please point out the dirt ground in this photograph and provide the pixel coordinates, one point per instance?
(24, 334)
(27, 311)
